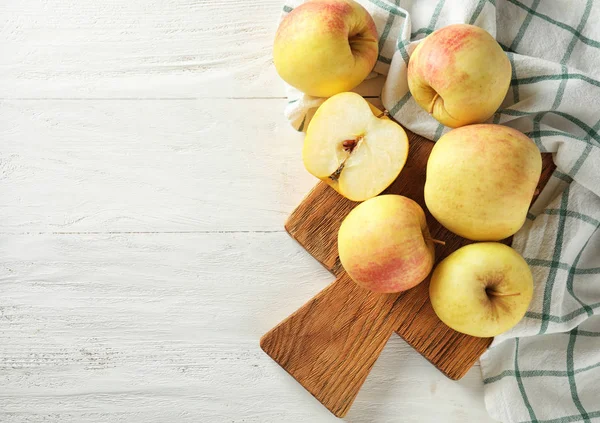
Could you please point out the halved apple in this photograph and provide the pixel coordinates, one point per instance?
(353, 147)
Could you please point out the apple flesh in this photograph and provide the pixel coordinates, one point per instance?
(325, 47)
(356, 152)
(481, 179)
(384, 244)
(481, 289)
(354, 147)
(459, 74)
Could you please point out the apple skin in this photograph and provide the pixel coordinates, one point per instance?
(481, 289)
(481, 179)
(324, 47)
(459, 74)
(384, 244)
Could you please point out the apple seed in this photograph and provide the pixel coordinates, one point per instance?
(349, 145)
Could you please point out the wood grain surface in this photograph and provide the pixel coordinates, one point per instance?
(311, 350)
(326, 357)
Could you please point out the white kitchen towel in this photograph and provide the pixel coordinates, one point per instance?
(546, 369)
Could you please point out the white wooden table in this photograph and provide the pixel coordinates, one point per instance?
(146, 171)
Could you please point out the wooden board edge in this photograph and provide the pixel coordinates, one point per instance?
(340, 413)
(465, 369)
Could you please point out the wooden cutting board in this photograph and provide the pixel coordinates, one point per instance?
(330, 344)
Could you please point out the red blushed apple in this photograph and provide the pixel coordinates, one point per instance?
(480, 180)
(384, 244)
(325, 47)
(459, 74)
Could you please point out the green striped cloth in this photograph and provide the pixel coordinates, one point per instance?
(547, 369)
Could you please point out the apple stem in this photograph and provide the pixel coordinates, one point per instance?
(498, 294)
(384, 113)
(438, 241)
(435, 97)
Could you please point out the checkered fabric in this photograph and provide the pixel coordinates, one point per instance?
(547, 369)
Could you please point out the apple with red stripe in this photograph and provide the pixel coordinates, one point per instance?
(384, 244)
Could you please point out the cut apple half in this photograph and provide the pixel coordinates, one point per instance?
(354, 147)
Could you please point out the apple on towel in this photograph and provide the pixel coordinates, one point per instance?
(326, 47)
(480, 181)
(459, 74)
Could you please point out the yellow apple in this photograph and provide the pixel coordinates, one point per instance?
(384, 244)
(481, 289)
(356, 152)
(459, 74)
(325, 47)
(481, 179)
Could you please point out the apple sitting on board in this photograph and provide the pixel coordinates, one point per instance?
(384, 244)
(356, 152)
(481, 289)
(481, 179)
(459, 74)
(325, 47)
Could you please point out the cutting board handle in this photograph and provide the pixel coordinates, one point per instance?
(330, 344)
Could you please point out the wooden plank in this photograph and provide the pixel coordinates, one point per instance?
(148, 165)
(136, 49)
(166, 48)
(302, 344)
